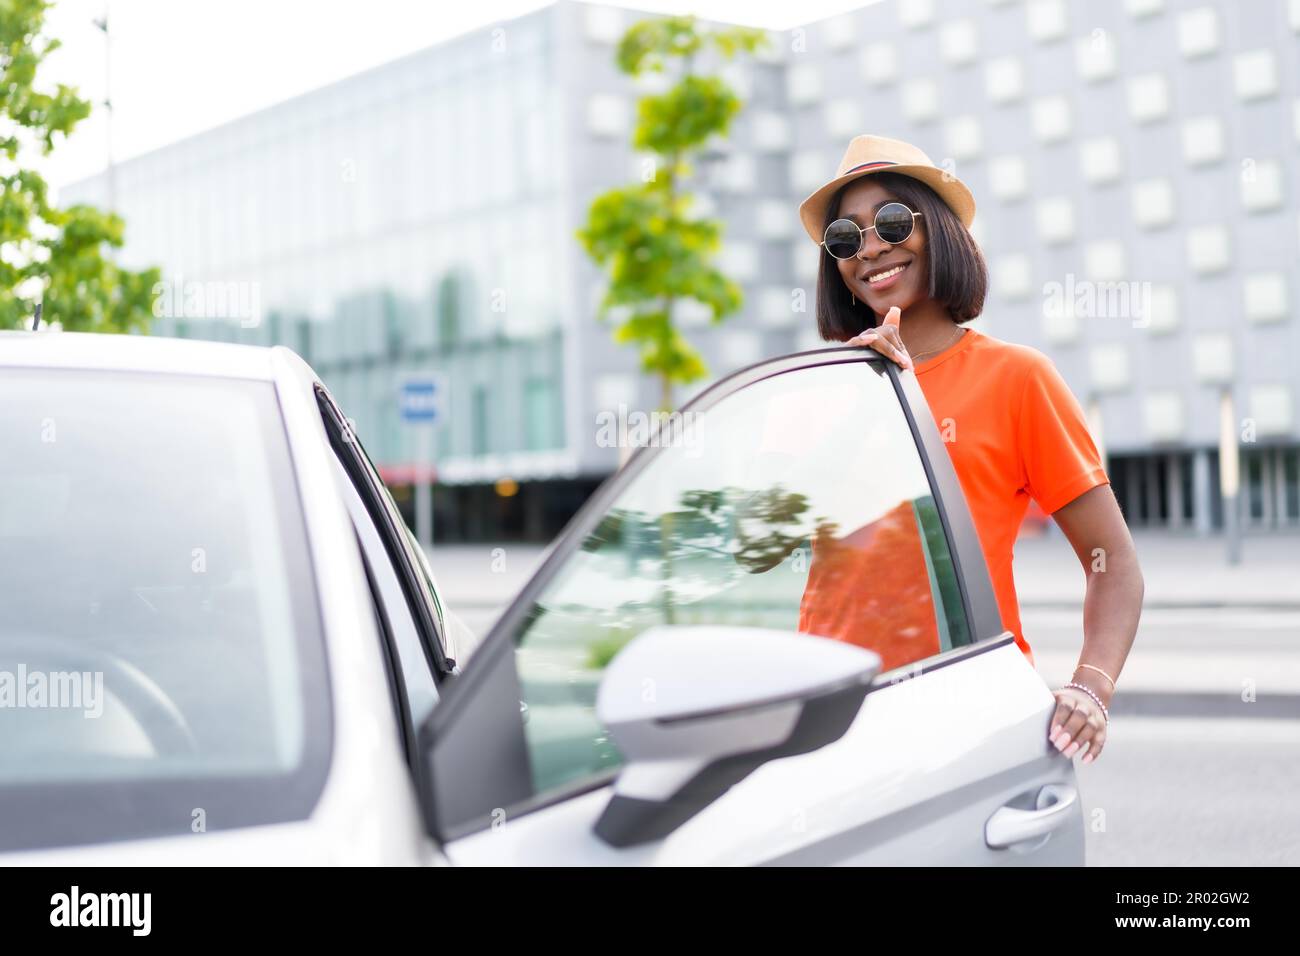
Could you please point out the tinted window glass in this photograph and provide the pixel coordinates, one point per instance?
(799, 503)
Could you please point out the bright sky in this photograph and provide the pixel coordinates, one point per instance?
(182, 66)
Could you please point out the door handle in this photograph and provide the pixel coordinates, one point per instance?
(1008, 826)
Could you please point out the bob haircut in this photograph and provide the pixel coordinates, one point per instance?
(958, 274)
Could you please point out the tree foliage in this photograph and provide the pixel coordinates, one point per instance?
(50, 255)
(654, 251)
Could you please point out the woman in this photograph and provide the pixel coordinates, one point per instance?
(900, 273)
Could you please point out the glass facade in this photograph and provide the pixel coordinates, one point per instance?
(419, 219)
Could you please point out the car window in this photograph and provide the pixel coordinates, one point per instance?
(798, 503)
(158, 611)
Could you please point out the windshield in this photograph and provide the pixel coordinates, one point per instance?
(161, 666)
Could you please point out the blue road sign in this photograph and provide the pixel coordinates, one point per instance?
(423, 400)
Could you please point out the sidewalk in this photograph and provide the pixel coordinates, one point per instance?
(1179, 570)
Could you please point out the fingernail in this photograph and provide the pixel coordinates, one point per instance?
(1056, 729)
(1087, 758)
(1070, 752)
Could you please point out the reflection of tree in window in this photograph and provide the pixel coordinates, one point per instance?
(715, 537)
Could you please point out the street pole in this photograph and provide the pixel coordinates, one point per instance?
(1229, 474)
(424, 487)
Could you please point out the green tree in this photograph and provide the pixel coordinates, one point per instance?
(644, 236)
(49, 255)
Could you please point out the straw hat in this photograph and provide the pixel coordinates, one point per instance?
(880, 154)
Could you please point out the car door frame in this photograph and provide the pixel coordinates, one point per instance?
(473, 727)
(360, 471)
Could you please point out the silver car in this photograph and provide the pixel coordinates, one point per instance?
(770, 638)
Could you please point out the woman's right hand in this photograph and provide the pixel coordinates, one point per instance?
(885, 338)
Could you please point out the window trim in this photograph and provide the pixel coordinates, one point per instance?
(365, 480)
(463, 699)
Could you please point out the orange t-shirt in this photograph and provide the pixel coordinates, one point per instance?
(1014, 431)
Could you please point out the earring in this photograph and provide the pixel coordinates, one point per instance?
(855, 298)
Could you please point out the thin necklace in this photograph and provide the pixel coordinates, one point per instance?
(955, 333)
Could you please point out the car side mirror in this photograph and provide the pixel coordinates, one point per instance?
(697, 709)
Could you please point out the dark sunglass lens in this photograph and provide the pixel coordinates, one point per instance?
(843, 238)
(894, 222)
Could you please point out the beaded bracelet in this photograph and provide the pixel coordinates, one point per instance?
(1091, 693)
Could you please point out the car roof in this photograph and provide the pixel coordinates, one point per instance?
(133, 353)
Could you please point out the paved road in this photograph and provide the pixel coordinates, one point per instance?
(1189, 792)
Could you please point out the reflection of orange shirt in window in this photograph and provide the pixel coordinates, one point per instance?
(870, 587)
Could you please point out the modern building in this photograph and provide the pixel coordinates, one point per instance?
(1134, 162)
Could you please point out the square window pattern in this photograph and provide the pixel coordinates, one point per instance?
(1203, 140)
(1162, 413)
(740, 78)
(1163, 306)
(740, 347)
(692, 313)
(1100, 160)
(1212, 358)
(607, 114)
(776, 306)
(1261, 185)
(1095, 58)
(1153, 203)
(920, 99)
(1143, 8)
(774, 219)
(1046, 19)
(603, 24)
(1198, 32)
(1014, 276)
(1060, 321)
(840, 32)
(1272, 408)
(1254, 74)
(879, 63)
(738, 174)
(963, 137)
(1208, 249)
(739, 259)
(958, 42)
(1265, 296)
(803, 83)
(844, 117)
(810, 168)
(1055, 219)
(1104, 260)
(1004, 79)
(1050, 117)
(1109, 367)
(771, 131)
(1148, 97)
(1008, 177)
(916, 13)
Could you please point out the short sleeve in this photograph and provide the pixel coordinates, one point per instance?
(1059, 457)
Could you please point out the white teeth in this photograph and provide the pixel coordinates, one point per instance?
(885, 275)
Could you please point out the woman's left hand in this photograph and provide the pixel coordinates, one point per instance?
(1078, 725)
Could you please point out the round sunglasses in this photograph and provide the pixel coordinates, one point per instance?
(893, 224)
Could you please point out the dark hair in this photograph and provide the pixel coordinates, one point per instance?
(958, 275)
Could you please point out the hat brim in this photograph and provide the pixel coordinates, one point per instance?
(812, 211)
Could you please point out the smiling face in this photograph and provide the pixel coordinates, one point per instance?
(859, 202)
